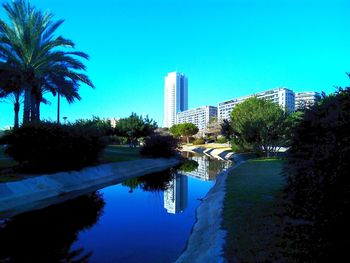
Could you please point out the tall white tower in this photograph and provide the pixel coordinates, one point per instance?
(175, 97)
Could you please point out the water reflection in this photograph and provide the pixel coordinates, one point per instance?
(207, 168)
(46, 235)
(156, 182)
(174, 182)
(139, 207)
(176, 194)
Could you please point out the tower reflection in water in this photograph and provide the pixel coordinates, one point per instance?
(199, 167)
(176, 195)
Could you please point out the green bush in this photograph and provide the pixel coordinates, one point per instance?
(160, 146)
(117, 140)
(240, 146)
(199, 141)
(50, 147)
(211, 138)
(221, 140)
(185, 140)
(318, 168)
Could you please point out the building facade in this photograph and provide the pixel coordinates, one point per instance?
(306, 99)
(199, 116)
(175, 97)
(281, 96)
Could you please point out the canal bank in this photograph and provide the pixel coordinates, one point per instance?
(112, 223)
(45, 190)
(221, 153)
(207, 239)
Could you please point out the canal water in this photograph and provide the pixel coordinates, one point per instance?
(146, 219)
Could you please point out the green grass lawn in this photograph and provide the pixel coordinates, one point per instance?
(116, 153)
(251, 204)
(110, 154)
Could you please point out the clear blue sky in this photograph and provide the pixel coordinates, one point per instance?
(226, 48)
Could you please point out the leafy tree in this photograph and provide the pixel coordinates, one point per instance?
(258, 124)
(226, 129)
(134, 127)
(184, 129)
(318, 190)
(29, 47)
(187, 130)
(175, 130)
(103, 127)
(290, 124)
(214, 127)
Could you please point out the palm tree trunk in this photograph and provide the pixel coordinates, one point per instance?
(33, 108)
(27, 103)
(16, 108)
(37, 110)
(58, 107)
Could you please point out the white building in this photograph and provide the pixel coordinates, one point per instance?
(175, 97)
(113, 121)
(199, 116)
(306, 99)
(176, 195)
(282, 96)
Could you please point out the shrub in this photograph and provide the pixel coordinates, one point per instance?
(239, 146)
(117, 140)
(221, 140)
(49, 147)
(318, 175)
(211, 138)
(184, 140)
(199, 141)
(159, 146)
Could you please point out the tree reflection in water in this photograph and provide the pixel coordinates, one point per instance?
(46, 235)
(156, 182)
(188, 166)
(159, 182)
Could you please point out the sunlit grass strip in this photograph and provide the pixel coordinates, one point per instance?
(114, 153)
(253, 191)
(111, 154)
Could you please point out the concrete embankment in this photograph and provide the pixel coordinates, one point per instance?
(42, 191)
(219, 153)
(207, 239)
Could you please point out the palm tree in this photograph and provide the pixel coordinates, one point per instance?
(10, 87)
(28, 42)
(63, 82)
